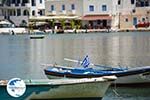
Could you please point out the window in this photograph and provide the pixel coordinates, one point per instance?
(26, 13)
(14, 13)
(104, 8)
(33, 3)
(40, 12)
(126, 20)
(52, 7)
(91, 8)
(40, 1)
(13, 1)
(33, 13)
(142, 4)
(18, 12)
(132, 1)
(143, 19)
(63, 7)
(11, 13)
(18, 1)
(25, 1)
(72, 7)
(119, 2)
(146, 3)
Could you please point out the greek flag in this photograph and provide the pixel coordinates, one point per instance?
(85, 63)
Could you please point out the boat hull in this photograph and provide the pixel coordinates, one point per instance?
(134, 79)
(135, 76)
(84, 89)
(37, 36)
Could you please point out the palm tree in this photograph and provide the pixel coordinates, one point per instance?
(62, 21)
(78, 24)
(72, 22)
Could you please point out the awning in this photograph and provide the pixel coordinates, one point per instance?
(96, 17)
(42, 18)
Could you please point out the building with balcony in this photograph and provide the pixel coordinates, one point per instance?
(133, 14)
(20, 11)
(91, 13)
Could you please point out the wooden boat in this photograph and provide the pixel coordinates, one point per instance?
(86, 88)
(125, 75)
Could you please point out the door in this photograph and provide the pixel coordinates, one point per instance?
(134, 21)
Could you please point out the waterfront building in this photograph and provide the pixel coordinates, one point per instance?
(133, 14)
(20, 11)
(92, 14)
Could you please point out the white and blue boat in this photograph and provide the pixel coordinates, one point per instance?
(61, 89)
(37, 35)
(125, 75)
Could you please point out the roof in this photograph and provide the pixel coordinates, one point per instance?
(96, 17)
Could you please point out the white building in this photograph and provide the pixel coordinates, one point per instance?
(19, 11)
(94, 13)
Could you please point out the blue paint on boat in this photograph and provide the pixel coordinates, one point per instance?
(90, 72)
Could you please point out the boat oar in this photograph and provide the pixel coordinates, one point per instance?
(77, 61)
(96, 65)
(56, 65)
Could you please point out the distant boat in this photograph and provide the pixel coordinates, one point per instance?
(86, 88)
(37, 35)
(125, 75)
(8, 28)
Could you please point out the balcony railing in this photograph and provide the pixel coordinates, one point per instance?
(63, 12)
(33, 4)
(52, 12)
(16, 4)
(23, 4)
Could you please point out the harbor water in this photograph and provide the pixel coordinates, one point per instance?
(23, 57)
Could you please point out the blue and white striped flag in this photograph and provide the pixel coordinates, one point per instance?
(86, 62)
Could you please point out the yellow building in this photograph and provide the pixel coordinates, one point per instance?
(134, 14)
(130, 20)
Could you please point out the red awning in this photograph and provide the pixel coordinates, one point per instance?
(96, 17)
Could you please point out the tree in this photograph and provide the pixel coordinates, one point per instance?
(62, 21)
(78, 24)
(72, 22)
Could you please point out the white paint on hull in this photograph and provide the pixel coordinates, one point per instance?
(95, 89)
(131, 79)
(37, 36)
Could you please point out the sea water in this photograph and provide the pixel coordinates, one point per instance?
(23, 57)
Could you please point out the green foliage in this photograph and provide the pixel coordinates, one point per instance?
(72, 22)
(78, 24)
(62, 21)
